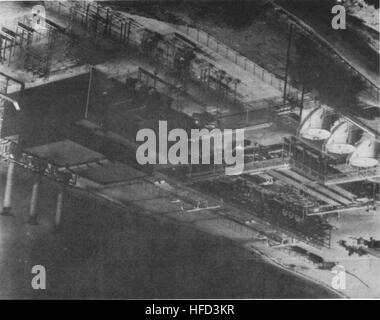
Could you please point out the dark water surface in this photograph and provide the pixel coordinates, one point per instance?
(105, 252)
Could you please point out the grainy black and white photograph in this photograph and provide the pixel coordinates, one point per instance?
(189, 149)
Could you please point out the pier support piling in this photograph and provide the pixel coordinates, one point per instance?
(7, 202)
(33, 201)
(59, 207)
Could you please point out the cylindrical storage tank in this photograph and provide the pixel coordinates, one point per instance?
(339, 141)
(365, 155)
(317, 124)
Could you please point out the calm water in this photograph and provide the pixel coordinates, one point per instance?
(105, 252)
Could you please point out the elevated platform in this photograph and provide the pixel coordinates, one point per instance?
(65, 153)
(352, 176)
(254, 167)
(320, 196)
(338, 194)
(323, 210)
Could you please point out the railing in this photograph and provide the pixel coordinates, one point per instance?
(353, 174)
(328, 209)
(220, 170)
(357, 174)
(267, 164)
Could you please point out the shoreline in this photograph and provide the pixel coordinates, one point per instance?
(295, 273)
(251, 250)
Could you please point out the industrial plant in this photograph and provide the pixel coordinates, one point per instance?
(79, 79)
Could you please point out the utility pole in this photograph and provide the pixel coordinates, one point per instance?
(88, 93)
(287, 60)
(302, 98)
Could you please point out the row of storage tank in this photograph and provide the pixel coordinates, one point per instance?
(334, 134)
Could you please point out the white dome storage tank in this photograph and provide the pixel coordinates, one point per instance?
(366, 154)
(340, 140)
(316, 125)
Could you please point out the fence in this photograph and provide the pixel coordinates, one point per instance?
(124, 30)
(239, 60)
(373, 88)
(102, 22)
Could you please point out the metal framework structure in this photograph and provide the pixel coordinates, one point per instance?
(7, 80)
(35, 47)
(98, 21)
(323, 167)
(39, 60)
(11, 151)
(9, 41)
(286, 208)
